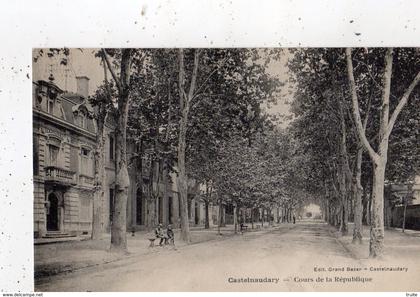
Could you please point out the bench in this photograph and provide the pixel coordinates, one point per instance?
(244, 228)
(170, 241)
(152, 242)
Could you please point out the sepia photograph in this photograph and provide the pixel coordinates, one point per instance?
(226, 169)
(212, 147)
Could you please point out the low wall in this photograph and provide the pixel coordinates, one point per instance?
(412, 219)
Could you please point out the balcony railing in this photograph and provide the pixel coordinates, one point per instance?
(60, 176)
(86, 180)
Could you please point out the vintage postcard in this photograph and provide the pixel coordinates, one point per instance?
(228, 169)
(184, 146)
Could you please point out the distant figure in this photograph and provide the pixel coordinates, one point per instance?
(159, 234)
(170, 235)
(294, 219)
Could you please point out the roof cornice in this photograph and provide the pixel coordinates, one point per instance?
(57, 121)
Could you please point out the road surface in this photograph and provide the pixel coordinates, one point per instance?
(301, 257)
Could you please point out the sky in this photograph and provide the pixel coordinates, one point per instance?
(82, 62)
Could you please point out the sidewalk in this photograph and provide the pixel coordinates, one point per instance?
(76, 253)
(398, 245)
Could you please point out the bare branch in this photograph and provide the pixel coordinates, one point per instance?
(194, 75)
(114, 75)
(108, 89)
(384, 113)
(181, 78)
(366, 119)
(125, 68)
(402, 103)
(209, 76)
(356, 112)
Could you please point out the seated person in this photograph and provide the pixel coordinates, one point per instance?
(159, 234)
(170, 235)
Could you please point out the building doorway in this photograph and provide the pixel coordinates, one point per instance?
(197, 213)
(160, 210)
(52, 213)
(170, 219)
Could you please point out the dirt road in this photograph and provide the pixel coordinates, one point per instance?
(301, 257)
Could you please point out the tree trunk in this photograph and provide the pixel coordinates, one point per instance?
(357, 190)
(379, 158)
(98, 195)
(376, 244)
(344, 170)
(151, 217)
(252, 218)
(262, 217)
(219, 219)
(327, 211)
(343, 215)
(207, 216)
(151, 199)
(119, 224)
(235, 218)
(206, 205)
(182, 179)
(365, 203)
(404, 215)
(184, 103)
(122, 181)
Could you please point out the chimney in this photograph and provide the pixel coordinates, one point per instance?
(83, 85)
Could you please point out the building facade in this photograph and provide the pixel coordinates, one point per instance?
(64, 137)
(63, 144)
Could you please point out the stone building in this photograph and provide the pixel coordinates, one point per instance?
(400, 199)
(64, 136)
(63, 142)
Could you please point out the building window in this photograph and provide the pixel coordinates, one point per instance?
(36, 156)
(81, 120)
(53, 154)
(85, 161)
(50, 106)
(85, 152)
(111, 148)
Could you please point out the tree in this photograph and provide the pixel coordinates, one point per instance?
(379, 156)
(122, 182)
(322, 125)
(185, 101)
(152, 125)
(102, 100)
